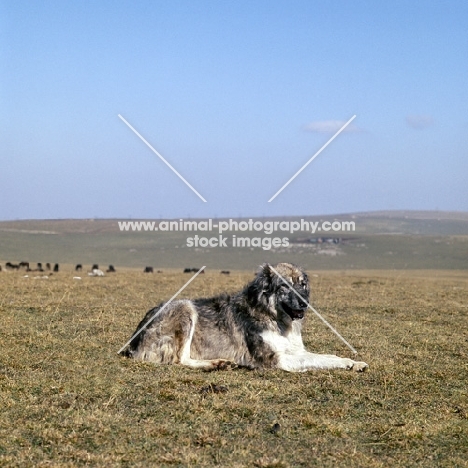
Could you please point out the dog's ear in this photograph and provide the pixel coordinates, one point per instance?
(266, 270)
(260, 286)
(267, 276)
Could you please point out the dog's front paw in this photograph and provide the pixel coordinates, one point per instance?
(359, 366)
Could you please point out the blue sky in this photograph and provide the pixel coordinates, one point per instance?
(237, 96)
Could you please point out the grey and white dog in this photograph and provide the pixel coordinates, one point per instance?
(259, 327)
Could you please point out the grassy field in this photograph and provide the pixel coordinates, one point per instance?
(68, 399)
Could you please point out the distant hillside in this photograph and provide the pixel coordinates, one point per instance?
(382, 240)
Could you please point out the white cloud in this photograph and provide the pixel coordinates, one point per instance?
(419, 121)
(330, 126)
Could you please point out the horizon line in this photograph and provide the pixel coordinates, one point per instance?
(350, 213)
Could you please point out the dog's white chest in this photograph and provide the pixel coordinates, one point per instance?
(284, 344)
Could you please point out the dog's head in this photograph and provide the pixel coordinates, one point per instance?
(283, 289)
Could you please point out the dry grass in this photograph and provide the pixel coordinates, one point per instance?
(68, 399)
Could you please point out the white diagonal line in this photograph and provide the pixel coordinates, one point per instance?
(315, 312)
(159, 156)
(312, 158)
(161, 309)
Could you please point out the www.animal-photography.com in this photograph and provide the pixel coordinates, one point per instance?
(234, 234)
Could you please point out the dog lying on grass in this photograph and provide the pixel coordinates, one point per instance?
(259, 327)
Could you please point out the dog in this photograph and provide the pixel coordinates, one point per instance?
(257, 328)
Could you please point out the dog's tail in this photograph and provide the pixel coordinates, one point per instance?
(131, 347)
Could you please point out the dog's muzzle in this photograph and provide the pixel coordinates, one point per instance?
(295, 314)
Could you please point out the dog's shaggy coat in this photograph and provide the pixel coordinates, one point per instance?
(259, 327)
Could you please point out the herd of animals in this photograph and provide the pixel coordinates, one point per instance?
(95, 270)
